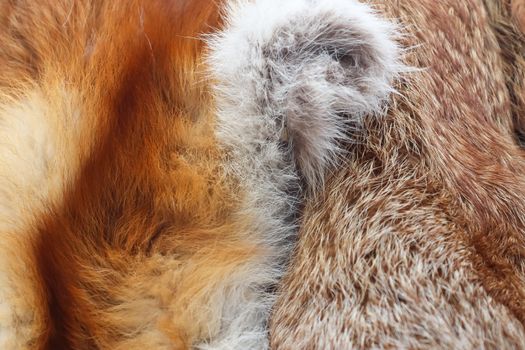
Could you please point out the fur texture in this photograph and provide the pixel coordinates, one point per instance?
(518, 13)
(418, 243)
(311, 68)
(150, 181)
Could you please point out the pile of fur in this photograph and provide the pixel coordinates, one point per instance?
(158, 156)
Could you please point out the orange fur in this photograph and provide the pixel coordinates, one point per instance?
(148, 181)
(134, 199)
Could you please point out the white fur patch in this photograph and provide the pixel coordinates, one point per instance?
(304, 71)
(291, 78)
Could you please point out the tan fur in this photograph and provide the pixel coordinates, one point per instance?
(419, 242)
(518, 13)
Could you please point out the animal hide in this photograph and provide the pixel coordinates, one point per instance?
(419, 242)
(157, 156)
(154, 155)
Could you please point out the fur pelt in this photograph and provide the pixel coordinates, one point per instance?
(154, 155)
(418, 242)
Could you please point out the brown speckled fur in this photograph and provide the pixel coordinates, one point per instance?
(419, 242)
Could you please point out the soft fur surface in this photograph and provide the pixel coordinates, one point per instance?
(419, 242)
(312, 68)
(517, 12)
(155, 153)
